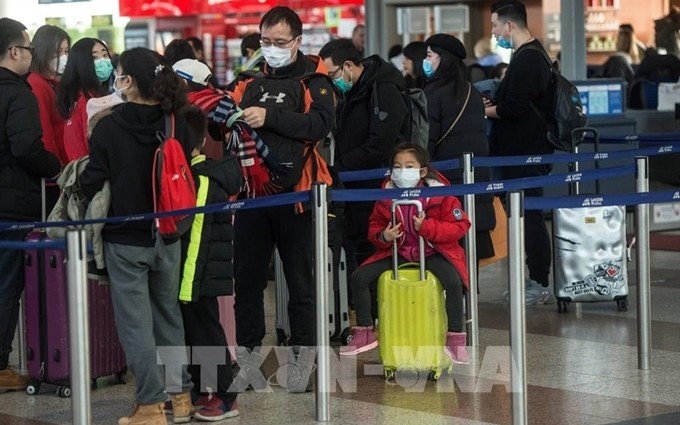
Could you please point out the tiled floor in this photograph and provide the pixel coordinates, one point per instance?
(581, 369)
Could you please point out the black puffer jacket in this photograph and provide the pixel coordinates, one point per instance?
(363, 139)
(468, 135)
(23, 158)
(207, 249)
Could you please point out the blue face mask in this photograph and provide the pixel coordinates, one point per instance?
(103, 68)
(504, 43)
(427, 68)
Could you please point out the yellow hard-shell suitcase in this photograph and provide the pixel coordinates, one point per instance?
(412, 320)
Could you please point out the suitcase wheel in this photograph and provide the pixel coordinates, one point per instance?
(389, 374)
(434, 375)
(281, 338)
(345, 336)
(64, 392)
(120, 378)
(562, 306)
(33, 388)
(622, 304)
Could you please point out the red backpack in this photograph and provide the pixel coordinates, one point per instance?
(173, 184)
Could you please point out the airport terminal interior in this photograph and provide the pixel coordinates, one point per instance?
(582, 368)
(581, 365)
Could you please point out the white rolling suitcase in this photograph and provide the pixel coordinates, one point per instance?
(589, 250)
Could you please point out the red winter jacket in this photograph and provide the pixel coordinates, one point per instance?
(75, 132)
(45, 91)
(444, 225)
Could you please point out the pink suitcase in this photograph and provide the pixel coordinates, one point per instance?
(47, 336)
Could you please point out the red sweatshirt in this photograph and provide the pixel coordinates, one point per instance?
(45, 90)
(75, 132)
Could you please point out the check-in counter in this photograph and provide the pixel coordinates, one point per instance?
(609, 127)
(663, 168)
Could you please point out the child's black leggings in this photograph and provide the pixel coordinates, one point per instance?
(367, 275)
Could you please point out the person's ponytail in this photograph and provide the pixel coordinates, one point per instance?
(169, 90)
(155, 78)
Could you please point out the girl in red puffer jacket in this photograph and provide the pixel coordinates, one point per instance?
(442, 224)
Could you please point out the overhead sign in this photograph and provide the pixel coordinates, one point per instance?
(413, 20)
(158, 8)
(57, 22)
(59, 1)
(452, 18)
(102, 20)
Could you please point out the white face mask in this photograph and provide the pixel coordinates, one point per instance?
(277, 57)
(59, 64)
(119, 92)
(405, 177)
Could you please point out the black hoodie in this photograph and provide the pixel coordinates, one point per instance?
(122, 148)
(23, 158)
(207, 250)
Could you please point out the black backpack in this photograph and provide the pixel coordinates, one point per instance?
(416, 125)
(566, 109)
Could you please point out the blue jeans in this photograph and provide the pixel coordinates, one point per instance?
(145, 290)
(11, 287)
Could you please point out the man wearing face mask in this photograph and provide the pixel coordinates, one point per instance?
(24, 161)
(518, 129)
(291, 107)
(363, 140)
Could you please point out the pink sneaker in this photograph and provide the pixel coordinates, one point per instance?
(363, 339)
(455, 347)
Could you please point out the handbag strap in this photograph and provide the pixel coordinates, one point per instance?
(460, 114)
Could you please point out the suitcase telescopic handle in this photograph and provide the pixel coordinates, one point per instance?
(43, 199)
(421, 241)
(577, 135)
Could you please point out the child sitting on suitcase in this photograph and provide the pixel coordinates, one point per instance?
(206, 273)
(442, 224)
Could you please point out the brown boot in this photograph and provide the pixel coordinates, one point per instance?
(182, 409)
(11, 380)
(145, 414)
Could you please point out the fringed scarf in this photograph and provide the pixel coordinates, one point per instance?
(261, 170)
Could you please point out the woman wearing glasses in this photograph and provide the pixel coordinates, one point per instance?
(87, 74)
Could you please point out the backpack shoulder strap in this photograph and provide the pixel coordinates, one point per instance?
(168, 127)
(543, 53)
(553, 74)
(374, 94)
(169, 124)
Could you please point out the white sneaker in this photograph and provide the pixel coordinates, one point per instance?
(534, 294)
